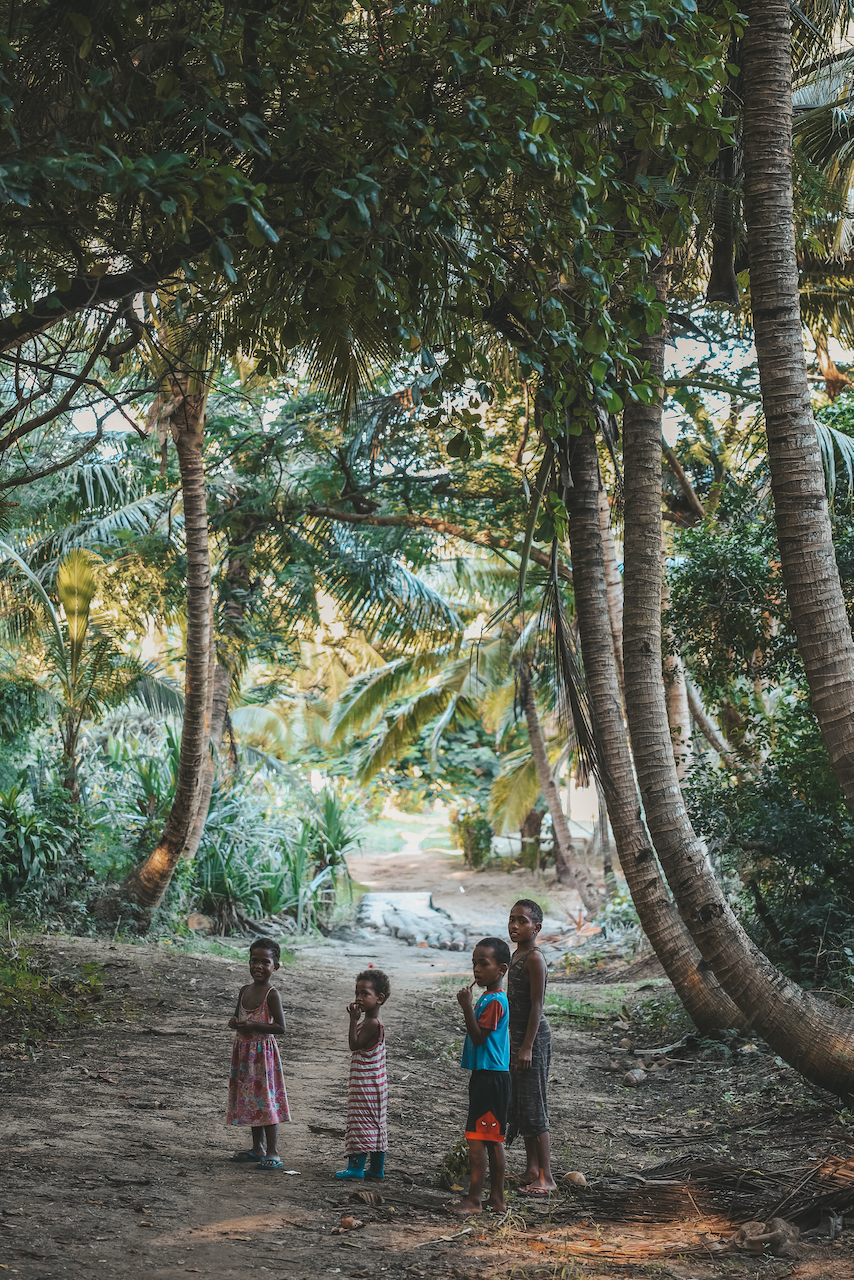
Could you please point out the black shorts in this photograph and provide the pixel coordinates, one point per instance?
(489, 1106)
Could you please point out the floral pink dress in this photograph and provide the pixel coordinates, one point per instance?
(256, 1086)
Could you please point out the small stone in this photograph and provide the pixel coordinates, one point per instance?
(198, 923)
(632, 1079)
(575, 1179)
(626, 1044)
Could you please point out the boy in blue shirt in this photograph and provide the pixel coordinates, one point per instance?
(487, 1055)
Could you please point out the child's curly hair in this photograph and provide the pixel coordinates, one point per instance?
(378, 980)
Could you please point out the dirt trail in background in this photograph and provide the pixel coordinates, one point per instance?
(115, 1154)
(480, 900)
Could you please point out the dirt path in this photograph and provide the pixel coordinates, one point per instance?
(115, 1154)
(479, 899)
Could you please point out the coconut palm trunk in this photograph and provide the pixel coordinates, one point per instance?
(569, 871)
(804, 532)
(814, 1037)
(694, 984)
(148, 883)
(613, 582)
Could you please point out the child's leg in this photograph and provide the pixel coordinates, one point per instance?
(271, 1137)
(258, 1148)
(495, 1153)
(543, 1179)
(470, 1203)
(532, 1163)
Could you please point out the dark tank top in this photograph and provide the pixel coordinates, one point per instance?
(519, 996)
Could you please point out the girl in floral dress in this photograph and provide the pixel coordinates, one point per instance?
(256, 1087)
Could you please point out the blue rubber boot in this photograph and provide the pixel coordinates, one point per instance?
(375, 1172)
(355, 1168)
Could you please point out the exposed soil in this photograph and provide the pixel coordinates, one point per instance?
(116, 1154)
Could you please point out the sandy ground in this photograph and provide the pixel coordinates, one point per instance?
(115, 1155)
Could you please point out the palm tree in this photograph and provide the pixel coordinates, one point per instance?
(811, 1035)
(447, 690)
(85, 672)
(797, 478)
(695, 985)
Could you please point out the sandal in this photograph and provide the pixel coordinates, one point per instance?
(269, 1162)
(536, 1193)
(246, 1157)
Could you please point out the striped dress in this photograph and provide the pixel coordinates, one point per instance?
(367, 1098)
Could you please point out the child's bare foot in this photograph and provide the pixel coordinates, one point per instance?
(529, 1176)
(496, 1204)
(464, 1207)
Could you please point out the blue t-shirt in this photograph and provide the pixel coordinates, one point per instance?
(494, 1053)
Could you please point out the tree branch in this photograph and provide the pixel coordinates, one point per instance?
(481, 539)
(64, 402)
(684, 483)
(87, 291)
(711, 732)
(27, 477)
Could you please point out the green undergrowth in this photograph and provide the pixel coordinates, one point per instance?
(454, 1168)
(607, 1003)
(37, 996)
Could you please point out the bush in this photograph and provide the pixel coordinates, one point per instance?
(473, 834)
(40, 839)
(784, 842)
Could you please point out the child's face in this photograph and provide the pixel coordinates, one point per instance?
(262, 964)
(486, 969)
(522, 926)
(366, 998)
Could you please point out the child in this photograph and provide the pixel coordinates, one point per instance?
(256, 1087)
(530, 1048)
(367, 1093)
(487, 1055)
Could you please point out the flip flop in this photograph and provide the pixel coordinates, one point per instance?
(246, 1157)
(269, 1162)
(536, 1193)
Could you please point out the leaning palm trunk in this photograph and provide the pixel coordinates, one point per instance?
(613, 582)
(811, 1035)
(804, 533)
(676, 693)
(659, 918)
(569, 870)
(219, 714)
(148, 883)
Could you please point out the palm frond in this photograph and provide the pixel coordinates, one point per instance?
(513, 793)
(830, 441)
(570, 690)
(76, 584)
(264, 726)
(10, 554)
(460, 712)
(401, 732)
(160, 697)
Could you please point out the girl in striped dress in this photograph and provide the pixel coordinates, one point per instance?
(367, 1094)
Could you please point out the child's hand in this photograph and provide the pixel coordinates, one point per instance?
(354, 1010)
(464, 997)
(523, 1060)
(233, 1023)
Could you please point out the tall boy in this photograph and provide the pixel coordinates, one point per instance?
(487, 1055)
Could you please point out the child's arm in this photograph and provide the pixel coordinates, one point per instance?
(535, 971)
(476, 1033)
(274, 1028)
(364, 1036)
(234, 1021)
